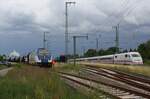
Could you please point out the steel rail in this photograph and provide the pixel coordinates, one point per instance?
(144, 80)
(110, 85)
(86, 85)
(121, 78)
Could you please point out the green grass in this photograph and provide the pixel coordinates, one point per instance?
(76, 69)
(69, 67)
(30, 82)
(133, 69)
(18, 65)
(2, 67)
(147, 62)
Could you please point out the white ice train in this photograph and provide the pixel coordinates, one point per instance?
(122, 58)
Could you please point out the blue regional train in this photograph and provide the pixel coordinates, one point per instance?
(44, 56)
(41, 57)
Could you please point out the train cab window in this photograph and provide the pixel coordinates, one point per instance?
(135, 55)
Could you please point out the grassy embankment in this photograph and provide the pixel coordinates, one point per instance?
(77, 70)
(2, 67)
(147, 62)
(28, 82)
(143, 69)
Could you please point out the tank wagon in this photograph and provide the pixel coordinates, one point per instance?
(122, 58)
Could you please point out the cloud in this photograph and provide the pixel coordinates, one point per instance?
(30, 18)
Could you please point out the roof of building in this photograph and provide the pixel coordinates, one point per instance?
(14, 54)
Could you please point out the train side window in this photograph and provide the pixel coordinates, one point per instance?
(126, 55)
(115, 56)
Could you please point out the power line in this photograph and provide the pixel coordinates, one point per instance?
(127, 12)
(124, 4)
(126, 7)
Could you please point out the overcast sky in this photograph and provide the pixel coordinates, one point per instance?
(22, 23)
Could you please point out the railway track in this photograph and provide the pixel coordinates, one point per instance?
(78, 81)
(118, 84)
(122, 78)
(140, 78)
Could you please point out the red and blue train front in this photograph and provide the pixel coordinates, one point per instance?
(45, 60)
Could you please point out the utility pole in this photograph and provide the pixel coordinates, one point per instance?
(83, 50)
(74, 46)
(66, 26)
(117, 38)
(97, 42)
(44, 39)
(74, 50)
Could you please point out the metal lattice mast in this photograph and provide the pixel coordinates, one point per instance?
(44, 41)
(117, 38)
(66, 26)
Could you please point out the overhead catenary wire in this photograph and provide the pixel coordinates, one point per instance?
(113, 14)
(125, 13)
(123, 10)
(128, 11)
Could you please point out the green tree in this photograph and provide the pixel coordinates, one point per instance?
(111, 50)
(90, 53)
(144, 50)
(130, 50)
(1, 58)
(108, 51)
(102, 52)
(124, 51)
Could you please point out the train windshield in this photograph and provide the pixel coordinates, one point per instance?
(135, 55)
(43, 52)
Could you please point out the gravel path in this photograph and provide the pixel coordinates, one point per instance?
(3, 72)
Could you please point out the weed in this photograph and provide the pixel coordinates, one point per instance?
(18, 65)
(31, 82)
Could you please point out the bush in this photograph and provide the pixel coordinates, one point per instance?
(18, 65)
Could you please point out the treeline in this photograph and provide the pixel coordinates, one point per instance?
(143, 49)
(101, 52)
(2, 57)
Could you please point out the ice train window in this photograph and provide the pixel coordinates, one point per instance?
(135, 55)
(127, 55)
